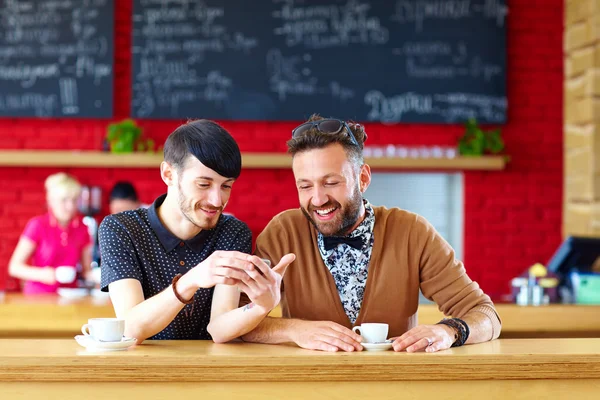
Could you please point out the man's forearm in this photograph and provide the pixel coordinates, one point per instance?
(236, 323)
(152, 315)
(147, 317)
(272, 331)
(483, 325)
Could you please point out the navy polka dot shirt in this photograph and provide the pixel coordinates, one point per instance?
(136, 245)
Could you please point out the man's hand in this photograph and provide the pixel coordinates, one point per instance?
(325, 336)
(264, 287)
(430, 338)
(221, 267)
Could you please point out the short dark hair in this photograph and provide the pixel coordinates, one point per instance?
(209, 142)
(313, 139)
(124, 191)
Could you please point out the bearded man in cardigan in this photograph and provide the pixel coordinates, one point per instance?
(359, 263)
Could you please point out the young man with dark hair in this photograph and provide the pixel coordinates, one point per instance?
(360, 263)
(182, 253)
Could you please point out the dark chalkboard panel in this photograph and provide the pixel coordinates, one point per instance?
(56, 58)
(439, 61)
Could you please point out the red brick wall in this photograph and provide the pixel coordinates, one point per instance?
(512, 218)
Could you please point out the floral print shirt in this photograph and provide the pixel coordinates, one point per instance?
(349, 266)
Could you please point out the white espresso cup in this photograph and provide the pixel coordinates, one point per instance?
(372, 333)
(104, 329)
(65, 274)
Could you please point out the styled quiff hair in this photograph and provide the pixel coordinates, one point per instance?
(209, 142)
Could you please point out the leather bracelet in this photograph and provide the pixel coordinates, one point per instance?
(450, 323)
(466, 327)
(174, 285)
(461, 327)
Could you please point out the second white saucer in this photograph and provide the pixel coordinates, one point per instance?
(383, 346)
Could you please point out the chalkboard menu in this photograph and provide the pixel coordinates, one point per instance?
(437, 61)
(56, 58)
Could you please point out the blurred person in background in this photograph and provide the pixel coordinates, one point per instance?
(123, 197)
(57, 238)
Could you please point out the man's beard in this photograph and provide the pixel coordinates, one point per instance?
(349, 217)
(188, 212)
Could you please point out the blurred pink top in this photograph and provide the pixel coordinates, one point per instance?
(54, 246)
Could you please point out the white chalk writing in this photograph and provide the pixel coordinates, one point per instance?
(391, 109)
(325, 26)
(418, 12)
(173, 43)
(57, 44)
(448, 107)
(292, 76)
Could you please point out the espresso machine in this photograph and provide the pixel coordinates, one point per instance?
(90, 205)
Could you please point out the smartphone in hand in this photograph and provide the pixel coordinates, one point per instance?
(267, 261)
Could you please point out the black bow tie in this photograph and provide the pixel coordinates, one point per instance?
(331, 242)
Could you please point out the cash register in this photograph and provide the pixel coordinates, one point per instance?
(577, 264)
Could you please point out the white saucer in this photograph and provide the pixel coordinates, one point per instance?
(72, 293)
(382, 346)
(94, 345)
(99, 293)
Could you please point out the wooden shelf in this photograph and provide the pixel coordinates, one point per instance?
(97, 159)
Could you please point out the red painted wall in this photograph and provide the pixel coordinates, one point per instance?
(512, 218)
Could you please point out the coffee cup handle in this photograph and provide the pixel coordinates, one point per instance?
(356, 329)
(86, 329)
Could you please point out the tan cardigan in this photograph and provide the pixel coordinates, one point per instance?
(407, 254)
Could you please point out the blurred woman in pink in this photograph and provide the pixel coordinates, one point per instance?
(56, 239)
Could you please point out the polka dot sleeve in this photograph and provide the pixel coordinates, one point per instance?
(119, 260)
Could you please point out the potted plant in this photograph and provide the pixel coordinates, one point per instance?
(122, 136)
(476, 142)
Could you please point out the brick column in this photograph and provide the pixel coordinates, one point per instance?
(581, 209)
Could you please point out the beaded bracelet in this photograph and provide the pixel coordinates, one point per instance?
(461, 327)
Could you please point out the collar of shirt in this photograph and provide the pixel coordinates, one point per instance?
(74, 223)
(166, 238)
(364, 230)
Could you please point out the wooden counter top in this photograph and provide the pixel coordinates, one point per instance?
(515, 367)
(51, 316)
(199, 361)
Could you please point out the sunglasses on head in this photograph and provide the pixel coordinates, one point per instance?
(331, 125)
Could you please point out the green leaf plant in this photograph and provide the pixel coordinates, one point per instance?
(126, 136)
(477, 142)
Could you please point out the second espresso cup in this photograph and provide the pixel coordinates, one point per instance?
(65, 274)
(372, 333)
(104, 329)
